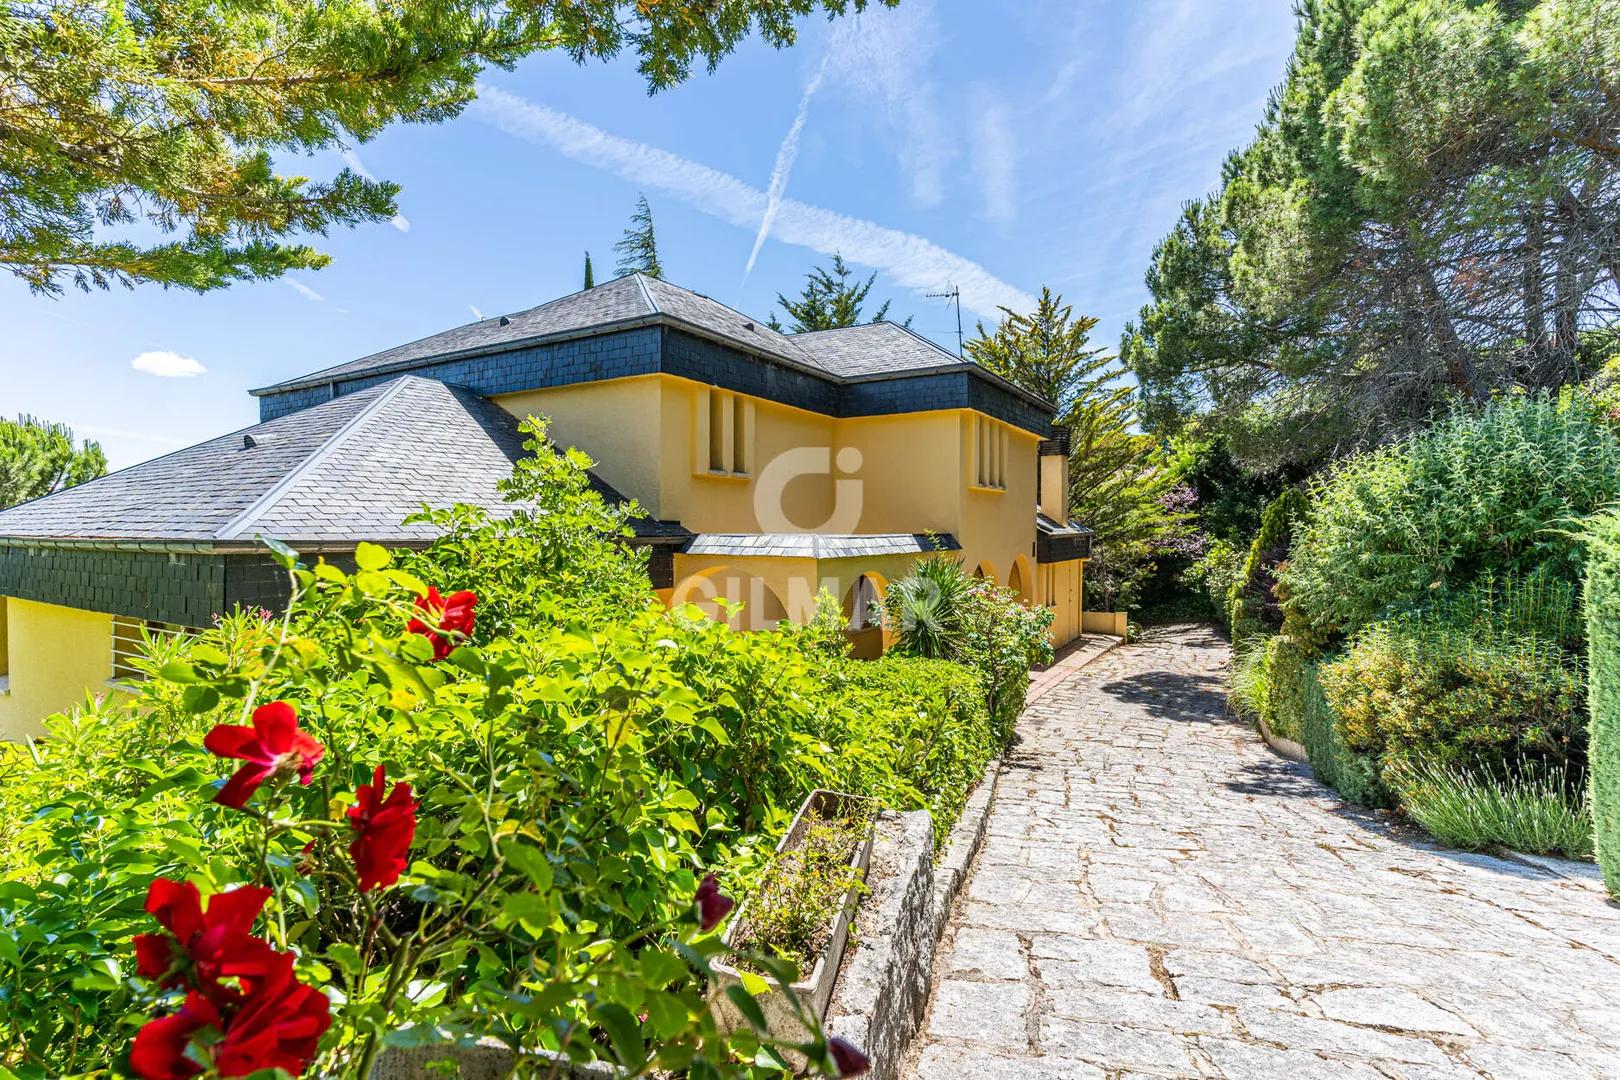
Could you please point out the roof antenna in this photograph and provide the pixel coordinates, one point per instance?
(954, 295)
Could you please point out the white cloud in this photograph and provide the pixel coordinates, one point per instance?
(995, 156)
(304, 290)
(885, 58)
(911, 261)
(352, 160)
(167, 364)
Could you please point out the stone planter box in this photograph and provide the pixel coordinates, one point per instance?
(814, 990)
(1288, 748)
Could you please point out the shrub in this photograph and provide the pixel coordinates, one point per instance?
(1467, 696)
(1211, 579)
(1529, 810)
(548, 824)
(1495, 490)
(926, 728)
(939, 611)
(1251, 602)
(1267, 683)
(1354, 776)
(1603, 633)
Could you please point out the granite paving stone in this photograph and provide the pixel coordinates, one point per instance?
(1160, 895)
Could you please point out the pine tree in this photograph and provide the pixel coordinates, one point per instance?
(638, 250)
(37, 458)
(829, 300)
(118, 122)
(590, 278)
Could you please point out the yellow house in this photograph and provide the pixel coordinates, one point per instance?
(769, 466)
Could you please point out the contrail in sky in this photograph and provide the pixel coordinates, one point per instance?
(784, 160)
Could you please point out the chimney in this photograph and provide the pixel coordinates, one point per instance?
(1052, 478)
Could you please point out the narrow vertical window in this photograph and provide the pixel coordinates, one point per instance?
(718, 418)
(739, 434)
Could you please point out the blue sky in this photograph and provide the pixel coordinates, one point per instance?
(998, 145)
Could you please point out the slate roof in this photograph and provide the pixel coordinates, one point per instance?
(875, 349)
(818, 546)
(854, 353)
(348, 470)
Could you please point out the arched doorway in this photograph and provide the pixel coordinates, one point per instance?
(863, 612)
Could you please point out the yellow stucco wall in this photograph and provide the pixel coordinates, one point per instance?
(805, 472)
(616, 422)
(55, 655)
(1060, 588)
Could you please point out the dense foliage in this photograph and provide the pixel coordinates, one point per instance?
(939, 611)
(1252, 602)
(1603, 632)
(117, 127)
(37, 458)
(1427, 213)
(1496, 490)
(579, 759)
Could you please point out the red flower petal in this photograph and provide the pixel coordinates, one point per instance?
(849, 1058)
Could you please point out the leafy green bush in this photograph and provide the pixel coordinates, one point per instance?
(1251, 602)
(1354, 776)
(1268, 684)
(1530, 810)
(1603, 633)
(939, 611)
(1212, 577)
(926, 727)
(1497, 490)
(1468, 696)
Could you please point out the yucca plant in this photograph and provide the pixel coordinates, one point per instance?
(925, 608)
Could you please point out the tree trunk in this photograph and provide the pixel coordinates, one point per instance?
(1459, 362)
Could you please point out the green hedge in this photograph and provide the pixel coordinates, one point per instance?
(1488, 491)
(1603, 635)
(1251, 600)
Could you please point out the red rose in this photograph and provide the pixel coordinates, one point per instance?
(280, 1028)
(273, 748)
(712, 904)
(212, 951)
(848, 1057)
(383, 831)
(160, 1046)
(453, 615)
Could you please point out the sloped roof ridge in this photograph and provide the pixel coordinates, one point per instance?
(233, 529)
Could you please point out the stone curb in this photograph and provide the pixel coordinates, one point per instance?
(962, 847)
(882, 991)
(1288, 748)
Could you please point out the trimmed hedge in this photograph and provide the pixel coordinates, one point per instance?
(1252, 603)
(1603, 636)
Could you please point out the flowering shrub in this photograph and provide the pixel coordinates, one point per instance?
(510, 809)
(542, 887)
(941, 612)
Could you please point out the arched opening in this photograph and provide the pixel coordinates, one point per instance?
(739, 599)
(987, 571)
(1021, 581)
(863, 602)
(863, 610)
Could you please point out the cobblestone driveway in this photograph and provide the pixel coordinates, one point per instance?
(1159, 894)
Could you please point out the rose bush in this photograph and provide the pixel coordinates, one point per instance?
(477, 812)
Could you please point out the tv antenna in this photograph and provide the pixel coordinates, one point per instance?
(954, 295)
